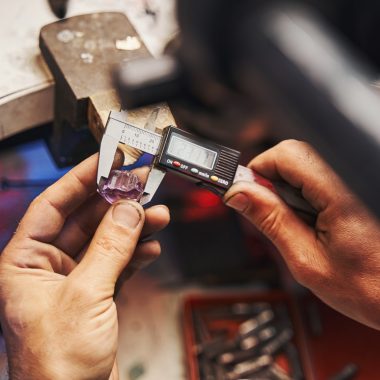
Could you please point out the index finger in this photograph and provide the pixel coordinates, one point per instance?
(301, 166)
(48, 212)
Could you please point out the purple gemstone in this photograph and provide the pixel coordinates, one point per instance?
(121, 184)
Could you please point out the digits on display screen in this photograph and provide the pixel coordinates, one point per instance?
(195, 154)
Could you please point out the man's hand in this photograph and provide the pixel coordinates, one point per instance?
(58, 276)
(339, 259)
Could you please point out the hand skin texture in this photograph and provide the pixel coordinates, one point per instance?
(339, 259)
(58, 276)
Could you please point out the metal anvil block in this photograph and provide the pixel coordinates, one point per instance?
(81, 53)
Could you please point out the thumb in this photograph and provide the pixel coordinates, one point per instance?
(113, 244)
(268, 212)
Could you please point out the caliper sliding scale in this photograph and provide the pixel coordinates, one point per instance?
(210, 165)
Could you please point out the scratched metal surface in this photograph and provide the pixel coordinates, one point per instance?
(84, 47)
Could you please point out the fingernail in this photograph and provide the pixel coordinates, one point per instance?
(163, 207)
(238, 202)
(126, 214)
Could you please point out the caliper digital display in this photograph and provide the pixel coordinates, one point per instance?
(190, 152)
(213, 165)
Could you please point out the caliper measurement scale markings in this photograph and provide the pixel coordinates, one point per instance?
(138, 138)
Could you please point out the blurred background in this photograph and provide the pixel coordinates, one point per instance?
(210, 255)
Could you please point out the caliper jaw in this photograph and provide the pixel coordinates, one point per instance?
(153, 182)
(108, 147)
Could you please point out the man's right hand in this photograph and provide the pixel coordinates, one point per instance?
(338, 259)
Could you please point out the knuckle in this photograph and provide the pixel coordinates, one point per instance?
(298, 152)
(289, 144)
(111, 246)
(292, 145)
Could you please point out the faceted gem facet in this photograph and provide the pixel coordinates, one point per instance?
(121, 184)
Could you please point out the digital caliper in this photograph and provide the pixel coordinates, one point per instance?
(210, 165)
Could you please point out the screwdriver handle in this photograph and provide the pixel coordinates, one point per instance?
(289, 194)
